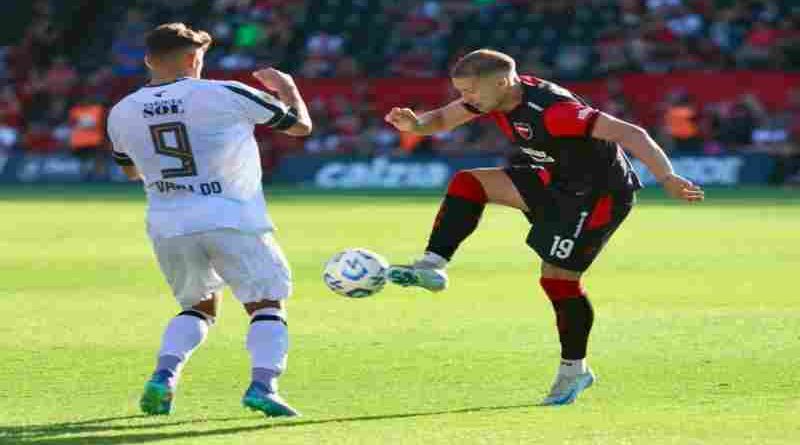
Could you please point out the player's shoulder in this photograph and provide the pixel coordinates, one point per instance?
(244, 92)
(122, 108)
(541, 94)
(229, 86)
(545, 88)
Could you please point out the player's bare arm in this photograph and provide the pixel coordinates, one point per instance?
(131, 172)
(636, 140)
(283, 84)
(441, 119)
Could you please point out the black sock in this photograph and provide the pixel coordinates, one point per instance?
(574, 317)
(456, 220)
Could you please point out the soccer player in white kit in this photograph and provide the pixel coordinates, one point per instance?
(191, 142)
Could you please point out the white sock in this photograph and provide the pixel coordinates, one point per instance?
(572, 367)
(268, 341)
(437, 260)
(182, 336)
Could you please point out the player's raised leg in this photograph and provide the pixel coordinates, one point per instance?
(574, 319)
(459, 214)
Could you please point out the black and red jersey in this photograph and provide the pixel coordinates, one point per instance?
(552, 128)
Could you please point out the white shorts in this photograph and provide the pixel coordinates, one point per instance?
(199, 264)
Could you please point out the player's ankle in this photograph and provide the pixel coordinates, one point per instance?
(166, 376)
(266, 377)
(572, 367)
(438, 261)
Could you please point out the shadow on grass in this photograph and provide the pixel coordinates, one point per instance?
(81, 432)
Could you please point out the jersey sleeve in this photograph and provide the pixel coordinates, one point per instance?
(261, 107)
(117, 150)
(569, 119)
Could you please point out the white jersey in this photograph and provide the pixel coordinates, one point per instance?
(192, 141)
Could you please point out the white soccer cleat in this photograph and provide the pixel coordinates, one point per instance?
(565, 389)
(421, 274)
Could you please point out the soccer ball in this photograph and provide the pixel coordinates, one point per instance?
(355, 273)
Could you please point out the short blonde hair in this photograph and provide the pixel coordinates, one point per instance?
(482, 62)
(171, 37)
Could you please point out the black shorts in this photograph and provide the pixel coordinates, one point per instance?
(568, 230)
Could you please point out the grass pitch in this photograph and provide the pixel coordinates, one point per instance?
(696, 340)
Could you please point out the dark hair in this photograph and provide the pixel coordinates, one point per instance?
(171, 37)
(481, 62)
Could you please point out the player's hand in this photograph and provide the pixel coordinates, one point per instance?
(274, 79)
(403, 119)
(679, 187)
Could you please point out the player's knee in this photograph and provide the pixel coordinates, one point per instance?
(205, 310)
(192, 312)
(562, 289)
(251, 308)
(466, 185)
(267, 310)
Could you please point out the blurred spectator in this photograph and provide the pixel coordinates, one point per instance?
(10, 118)
(87, 137)
(739, 122)
(9, 137)
(128, 55)
(39, 139)
(250, 34)
(347, 67)
(662, 6)
(560, 39)
(98, 83)
(322, 49)
(60, 78)
(5, 74)
(10, 108)
(237, 59)
(128, 49)
(380, 137)
(728, 30)
(757, 47)
(35, 98)
(681, 121)
(685, 23)
(572, 61)
(413, 61)
(40, 43)
(788, 154)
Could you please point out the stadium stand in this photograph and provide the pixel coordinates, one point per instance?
(726, 69)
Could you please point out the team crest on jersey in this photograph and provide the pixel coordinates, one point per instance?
(523, 130)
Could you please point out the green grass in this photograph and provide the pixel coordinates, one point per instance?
(697, 338)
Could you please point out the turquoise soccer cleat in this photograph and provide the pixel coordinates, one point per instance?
(565, 389)
(420, 274)
(259, 398)
(158, 396)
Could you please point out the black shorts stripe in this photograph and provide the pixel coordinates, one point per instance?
(277, 112)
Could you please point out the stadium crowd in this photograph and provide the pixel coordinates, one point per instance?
(54, 96)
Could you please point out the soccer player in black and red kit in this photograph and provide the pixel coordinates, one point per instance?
(570, 177)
